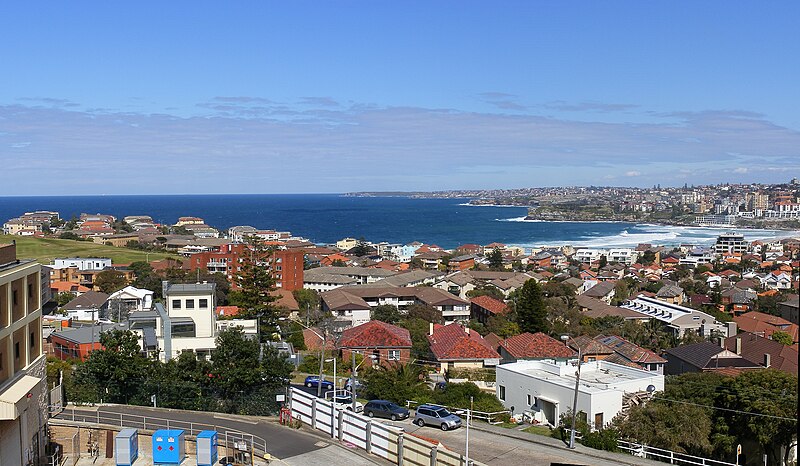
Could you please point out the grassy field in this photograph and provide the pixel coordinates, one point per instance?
(45, 250)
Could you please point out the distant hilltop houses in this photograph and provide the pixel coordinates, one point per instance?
(742, 205)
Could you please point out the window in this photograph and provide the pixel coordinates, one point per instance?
(16, 350)
(33, 342)
(394, 355)
(14, 297)
(176, 304)
(528, 399)
(190, 304)
(502, 395)
(30, 290)
(1, 361)
(203, 304)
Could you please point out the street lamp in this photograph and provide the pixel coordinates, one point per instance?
(565, 338)
(324, 338)
(354, 375)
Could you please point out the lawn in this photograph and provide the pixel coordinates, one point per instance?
(539, 430)
(44, 250)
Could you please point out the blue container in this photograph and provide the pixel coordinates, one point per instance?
(168, 446)
(207, 442)
(126, 447)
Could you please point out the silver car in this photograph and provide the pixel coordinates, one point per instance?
(433, 415)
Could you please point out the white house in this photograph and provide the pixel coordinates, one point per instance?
(625, 256)
(588, 255)
(678, 318)
(82, 263)
(130, 299)
(544, 390)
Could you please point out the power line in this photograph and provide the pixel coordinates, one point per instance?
(727, 409)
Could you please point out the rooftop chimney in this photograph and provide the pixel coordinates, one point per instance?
(430, 328)
(739, 345)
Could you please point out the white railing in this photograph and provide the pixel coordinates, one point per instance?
(107, 418)
(645, 451)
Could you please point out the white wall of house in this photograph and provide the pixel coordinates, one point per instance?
(547, 388)
(88, 263)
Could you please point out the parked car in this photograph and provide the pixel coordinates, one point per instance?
(312, 381)
(433, 415)
(349, 383)
(385, 409)
(343, 400)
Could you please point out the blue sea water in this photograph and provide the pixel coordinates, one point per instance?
(326, 218)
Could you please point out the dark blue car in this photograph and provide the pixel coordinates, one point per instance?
(312, 381)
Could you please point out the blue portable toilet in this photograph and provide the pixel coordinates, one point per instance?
(207, 442)
(126, 447)
(168, 446)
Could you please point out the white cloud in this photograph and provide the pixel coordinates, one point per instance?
(242, 142)
(741, 170)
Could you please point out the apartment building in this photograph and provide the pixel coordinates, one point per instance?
(22, 365)
(286, 264)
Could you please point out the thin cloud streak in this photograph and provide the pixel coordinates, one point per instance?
(256, 145)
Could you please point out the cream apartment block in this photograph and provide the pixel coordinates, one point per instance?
(22, 365)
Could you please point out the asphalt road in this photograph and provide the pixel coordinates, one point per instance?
(492, 448)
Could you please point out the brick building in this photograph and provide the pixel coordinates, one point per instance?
(286, 264)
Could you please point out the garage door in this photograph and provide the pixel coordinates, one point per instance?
(10, 443)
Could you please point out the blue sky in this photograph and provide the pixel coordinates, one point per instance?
(246, 97)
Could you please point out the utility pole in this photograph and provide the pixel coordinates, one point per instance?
(469, 412)
(575, 401)
(321, 361)
(353, 381)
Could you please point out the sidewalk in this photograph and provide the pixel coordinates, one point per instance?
(612, 457)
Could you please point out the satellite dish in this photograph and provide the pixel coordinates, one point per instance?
(651, 388)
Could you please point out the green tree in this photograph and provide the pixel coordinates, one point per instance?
(762, 406)
(486, 290)
(782, 337)
(399, 384)
(361, 248)
(306, 299)
(69, 235)
(495, 259)
(114, 373)
(386, 313)
(647, 258)
(531, 310)
(241, 369)
(64, 297)
(502, 326)
(255, 296)
(426, 313)
(109, 281)
(418, 329)
(672, 426)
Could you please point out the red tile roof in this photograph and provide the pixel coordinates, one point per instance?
(453, 342)
(492, 305)
(70, 287)
(536, 345)
(375, 334)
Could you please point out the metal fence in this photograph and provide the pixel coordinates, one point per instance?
(149, 423)
(660, 454)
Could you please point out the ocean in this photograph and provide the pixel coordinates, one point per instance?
(326, 218)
